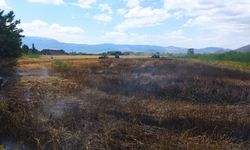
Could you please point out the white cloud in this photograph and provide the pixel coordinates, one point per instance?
(106, 16)
(106, 8)
(139, 17)
(85, 3)
(177, 38)
(54, 2)
(124, 38)
(55, 31)
(199, 21)
(3, 5)
(103, 17)
(237, 11)
(132, 3)
(176, 35)
(174, 38)
(121, 11)
(234, 11)
(218, 22)
(178, 14)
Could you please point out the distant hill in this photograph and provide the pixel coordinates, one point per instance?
(211, 50)
(46, 43)
(244, 49)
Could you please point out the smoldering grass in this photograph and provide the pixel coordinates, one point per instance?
(89, 104)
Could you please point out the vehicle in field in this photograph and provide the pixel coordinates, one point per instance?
(103, 56)
(117, 56)
(156, 55)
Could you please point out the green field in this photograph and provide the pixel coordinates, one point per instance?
(234, 60)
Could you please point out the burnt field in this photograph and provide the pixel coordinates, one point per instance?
(86, 103)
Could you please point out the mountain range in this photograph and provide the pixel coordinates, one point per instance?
(244, 49)
(46, 43)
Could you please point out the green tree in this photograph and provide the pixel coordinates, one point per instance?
(10, 36)
(190, 51)
(25, 49)
(34, 50)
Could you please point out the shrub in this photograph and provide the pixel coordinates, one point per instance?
(61, 65)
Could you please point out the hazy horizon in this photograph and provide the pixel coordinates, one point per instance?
(46, 38)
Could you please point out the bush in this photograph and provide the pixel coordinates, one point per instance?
(61, 65)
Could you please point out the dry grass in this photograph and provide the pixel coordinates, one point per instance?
(125, 104)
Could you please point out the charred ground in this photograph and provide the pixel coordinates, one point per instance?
(125, 104)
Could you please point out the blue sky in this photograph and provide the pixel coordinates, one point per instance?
(184, 23)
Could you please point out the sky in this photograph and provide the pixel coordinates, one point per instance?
(183, 23)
